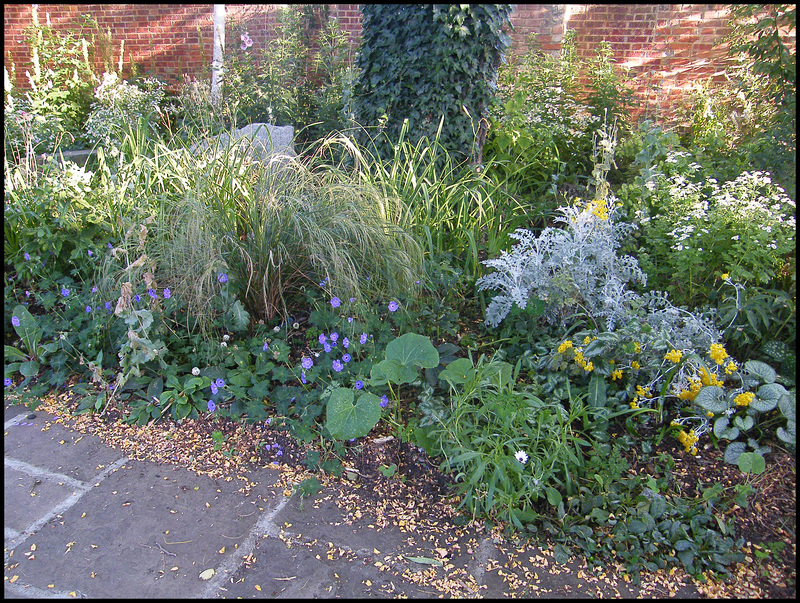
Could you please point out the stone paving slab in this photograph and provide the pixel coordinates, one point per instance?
(56, 448)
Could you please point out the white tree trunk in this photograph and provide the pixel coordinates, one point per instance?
(219, 49)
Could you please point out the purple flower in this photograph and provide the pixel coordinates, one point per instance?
(26, 256)
(307, 363)
(345, 343)
(336, 302)
(94, 289)
(152, 293)
(223, 278)
(214, 389)
(334, 337)
(359, 384)
(268, 421)
(327, 347)
(136, 298)
(88, 309)
(303, 377)
(322, 339)
(211, 406)
(65, 292)
(266, 346)
(346, 358)
(7, 382)
(220, 383)
(349, 319)
(167, 294)
(108, 306)
(89, 252)
(280, 452)
(352, 299)
(363, 339)
(15, 321)
(392, 306)
(337, 366)
(384, 401)
(110, 246)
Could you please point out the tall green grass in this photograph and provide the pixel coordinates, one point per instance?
(453, 208)
(275, 230)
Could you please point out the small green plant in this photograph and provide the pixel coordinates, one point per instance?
(310, 486)
(507, 447)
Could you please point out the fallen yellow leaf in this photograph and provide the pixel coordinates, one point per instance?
(222, 551)
(206, 575)
(258, 587)
(13, 579)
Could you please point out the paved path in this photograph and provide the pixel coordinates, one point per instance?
(82, 520)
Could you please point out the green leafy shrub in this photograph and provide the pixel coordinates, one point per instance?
(541, 134)
(119, 103)
(421, 63)
(508, 448)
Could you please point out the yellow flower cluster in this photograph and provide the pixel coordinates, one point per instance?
(725, 276)
(731, 368)
(616, 375)
(709, 378)
(581, 361)
(744, 398)
(688, 440)
(673, 356)
(635, 365)
(587, 340)
(695, 385)
(717, 353)
(637, 347)
(643, 392)
(599, 208)
(564, 346)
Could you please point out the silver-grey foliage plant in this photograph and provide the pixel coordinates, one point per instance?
(577, 267)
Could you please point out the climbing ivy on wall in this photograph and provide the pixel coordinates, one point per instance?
(424, 61)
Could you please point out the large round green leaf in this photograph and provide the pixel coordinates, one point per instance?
(413, 350)
(346, 420)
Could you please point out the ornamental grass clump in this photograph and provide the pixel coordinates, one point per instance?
(306, 222)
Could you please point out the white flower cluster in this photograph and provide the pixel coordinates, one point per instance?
(120, 104)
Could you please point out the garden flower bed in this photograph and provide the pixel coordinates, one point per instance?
(588, 338)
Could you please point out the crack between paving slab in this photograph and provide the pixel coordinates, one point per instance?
(481, 559)
(263, 527)
(35, 471)
(31, 592)
(64, 505)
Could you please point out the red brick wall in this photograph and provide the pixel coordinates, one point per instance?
(162, 38)
(666, 46)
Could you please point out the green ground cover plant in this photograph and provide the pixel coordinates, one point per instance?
(525, 334)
